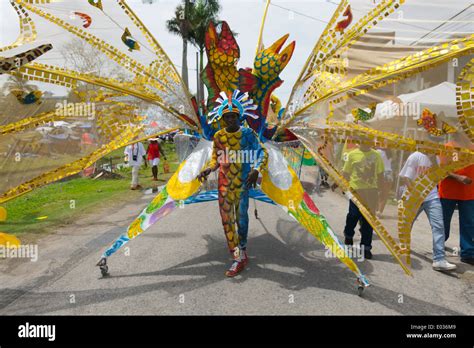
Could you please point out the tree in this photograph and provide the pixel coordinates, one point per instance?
(80, 56)
(202, 13)
(16, 81)
(181, 25)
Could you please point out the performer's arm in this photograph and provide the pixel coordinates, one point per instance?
(261, 162)
(262, 157)
(213, 164)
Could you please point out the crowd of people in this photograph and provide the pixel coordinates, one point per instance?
(369, 173)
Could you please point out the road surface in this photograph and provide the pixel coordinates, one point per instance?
(177, 267)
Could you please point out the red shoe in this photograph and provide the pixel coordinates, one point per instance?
(240, 255)
(245, 258)
(236, 268)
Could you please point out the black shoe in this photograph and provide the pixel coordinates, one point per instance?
(348, 241)
(469, 260)
(367, 254)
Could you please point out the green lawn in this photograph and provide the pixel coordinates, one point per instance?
(45, 209)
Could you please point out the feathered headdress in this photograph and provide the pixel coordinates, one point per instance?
(238, 103)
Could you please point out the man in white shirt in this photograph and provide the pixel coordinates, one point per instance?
(135, 155)
(417, 165)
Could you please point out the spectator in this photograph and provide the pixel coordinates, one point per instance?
(418, 164)
(87, 141)
(135, 156)
(387, 181)
(154, 151)
(363, 168)
(458, 190)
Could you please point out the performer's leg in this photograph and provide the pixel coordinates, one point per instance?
(239, 206)
(227, 211)
(242, 208)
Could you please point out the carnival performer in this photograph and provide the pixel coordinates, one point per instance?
(240, 157)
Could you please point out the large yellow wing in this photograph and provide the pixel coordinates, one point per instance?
(401, 57)
(106, 83)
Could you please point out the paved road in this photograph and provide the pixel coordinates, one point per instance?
(177, 267)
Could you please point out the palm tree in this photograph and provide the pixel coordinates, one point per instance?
(202, 13)
(16, 81)
(180, 25)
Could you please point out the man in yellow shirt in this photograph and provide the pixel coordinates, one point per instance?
(363, 168)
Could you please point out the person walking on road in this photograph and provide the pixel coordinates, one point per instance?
(135, 156)
(154, 151)
(416, 165)
(458, 190)
(363, 168)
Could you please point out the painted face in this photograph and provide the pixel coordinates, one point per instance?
(231, 119)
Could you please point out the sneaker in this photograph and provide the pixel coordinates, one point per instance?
(443, 265)
(348, 241)
(236, 268)
(469, 260)
(367, 254)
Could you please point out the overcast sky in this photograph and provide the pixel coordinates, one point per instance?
(304, 20)
(243, 16)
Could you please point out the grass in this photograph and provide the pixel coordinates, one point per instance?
(47, 208)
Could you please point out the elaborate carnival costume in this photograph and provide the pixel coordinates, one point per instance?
(353, 69)
(235, 154)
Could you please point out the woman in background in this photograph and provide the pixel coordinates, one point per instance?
(154, 151)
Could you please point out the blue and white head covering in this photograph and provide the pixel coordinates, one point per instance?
(238, 103)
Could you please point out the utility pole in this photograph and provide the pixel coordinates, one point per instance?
(198, 89)
(184, 29)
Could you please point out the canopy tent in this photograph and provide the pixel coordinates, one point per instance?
(438, 99)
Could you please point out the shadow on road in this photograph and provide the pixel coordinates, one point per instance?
(296, 264)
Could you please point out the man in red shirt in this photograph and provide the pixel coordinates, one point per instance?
(154, 150)
(457, 189)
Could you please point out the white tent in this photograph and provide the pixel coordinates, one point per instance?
(439, 99)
